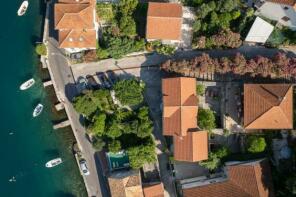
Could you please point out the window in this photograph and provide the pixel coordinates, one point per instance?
(285, 18)
(286, 8)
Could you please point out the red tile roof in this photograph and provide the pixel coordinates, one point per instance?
(244, 180)
(164, 21)
(192, 148)
(154, 190)
(75, 23)
(180, 119)
(179, 105)
(268, 106)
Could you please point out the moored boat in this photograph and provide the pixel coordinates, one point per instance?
(53, 163)
(23, 8)
(27, 84)
(38, 109)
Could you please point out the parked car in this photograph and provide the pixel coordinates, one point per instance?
(92, 82)
(104, 80)
(81, 84)
(83, 167)
(112, 76)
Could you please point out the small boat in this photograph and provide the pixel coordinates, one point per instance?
(27, 84)
(23, 8)
(53, 163)
(38, 109)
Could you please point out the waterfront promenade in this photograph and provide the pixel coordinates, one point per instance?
(65, 89)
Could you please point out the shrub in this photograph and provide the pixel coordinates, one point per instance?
(40, 49)
(98, 124)
(200, 89)
(256, 144)
(105, 12)
(161, 48)
(114, 146)
(129, 92)
(214, 159)
(140, 155)
(206, 119)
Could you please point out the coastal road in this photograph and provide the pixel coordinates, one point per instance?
(64, 85)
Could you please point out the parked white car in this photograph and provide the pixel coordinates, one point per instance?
(83, 167)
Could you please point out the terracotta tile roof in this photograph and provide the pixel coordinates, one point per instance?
(286, 2)
(73, 16)
(164, 21)
(179, 105)
(77, 39)
(268, 106)
(192, 148)
(154, 190)
(244, 180)
(125, 184)
(180, 119)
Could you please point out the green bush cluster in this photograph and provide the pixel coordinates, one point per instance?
(119, 128)
(206, 119)
(129, 92)
(161, 48)
(215, 157)
(256, 144)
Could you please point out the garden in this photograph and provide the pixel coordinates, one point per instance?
(115, 127)
(220, 24)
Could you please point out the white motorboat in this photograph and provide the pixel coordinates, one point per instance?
(38, 109)
(27, 84)
(23, 8)
(53, 163)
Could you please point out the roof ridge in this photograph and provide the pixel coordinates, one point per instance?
(67, 36)
(88, 6)
(254, 174)
(270, 92)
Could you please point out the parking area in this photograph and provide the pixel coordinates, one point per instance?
(187, 170)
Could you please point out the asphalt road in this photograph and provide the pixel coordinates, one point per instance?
(61, 74)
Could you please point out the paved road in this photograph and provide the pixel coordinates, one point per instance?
(61, 74)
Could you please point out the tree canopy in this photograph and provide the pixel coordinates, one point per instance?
(206, 119)
(114, 146)
(215, 157)
(140, 155)
(129, 92)
(98, 144)
(256, 144)
(98, 124)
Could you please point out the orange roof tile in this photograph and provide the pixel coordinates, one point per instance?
(77, 39)
(180, 105)
(244, 180)
(192, 148)
(154, 190)
(73, 16)
(164, 21)
(268, 106)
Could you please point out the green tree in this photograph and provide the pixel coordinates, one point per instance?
(127, 26)
(222, 152)
(113, 130)
(212, 163)
(102, 53)
(235, 14)
(196, 25)
(206, 119)
(203, 10)
(98, 144)
(98, 125)
(127, 7)
(84, 104)
(256, 144)
(40, 49)
(129, 92)
(200, 89)
(114, 146)
(139, 155)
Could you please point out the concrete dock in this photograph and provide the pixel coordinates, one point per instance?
(61, 125)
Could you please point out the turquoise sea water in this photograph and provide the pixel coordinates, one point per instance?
(26, 144)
